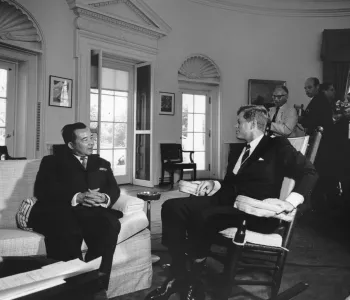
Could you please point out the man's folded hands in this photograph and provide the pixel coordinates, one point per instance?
(285, 206)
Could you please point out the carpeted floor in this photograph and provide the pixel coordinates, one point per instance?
(318, 256)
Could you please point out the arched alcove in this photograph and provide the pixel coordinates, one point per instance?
(199, 79)
(18, 27)
(199, 68)
(22, 44)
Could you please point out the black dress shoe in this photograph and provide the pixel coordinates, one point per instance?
(194, 291)
(100, 295)
(169, 287)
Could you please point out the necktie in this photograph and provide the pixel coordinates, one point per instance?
(83, 161)
(275, 115)
(245, 154)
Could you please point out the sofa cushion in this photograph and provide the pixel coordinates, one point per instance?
(128, 204)
(24, 210)
(17, 179)
(17, 242)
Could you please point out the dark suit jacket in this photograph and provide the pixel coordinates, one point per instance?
(261, 176)
(61, 176)
(319, 112)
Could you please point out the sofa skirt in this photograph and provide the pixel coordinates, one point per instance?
(132, 265)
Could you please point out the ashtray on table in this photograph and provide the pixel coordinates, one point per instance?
(147, 195)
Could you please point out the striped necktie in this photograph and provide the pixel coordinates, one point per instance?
(83, 160)
(245, 154)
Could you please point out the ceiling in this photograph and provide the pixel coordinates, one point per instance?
(296, 8)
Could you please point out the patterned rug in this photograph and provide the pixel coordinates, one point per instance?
(316, 257)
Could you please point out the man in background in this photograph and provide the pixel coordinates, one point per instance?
(283, 117)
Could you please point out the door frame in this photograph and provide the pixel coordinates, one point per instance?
(117, 65)
(11, 108)
(212, 91)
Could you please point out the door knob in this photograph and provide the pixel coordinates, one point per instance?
(8, 135)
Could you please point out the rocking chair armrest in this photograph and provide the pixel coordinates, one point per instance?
(241, 232)
(191, 152)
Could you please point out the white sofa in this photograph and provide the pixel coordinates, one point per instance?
(132, 266)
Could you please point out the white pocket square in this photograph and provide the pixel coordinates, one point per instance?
(261, 159)
(103, 169)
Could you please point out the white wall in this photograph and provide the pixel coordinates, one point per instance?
(244, 46)
(57, 23)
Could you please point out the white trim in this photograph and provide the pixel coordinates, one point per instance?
(287, 9)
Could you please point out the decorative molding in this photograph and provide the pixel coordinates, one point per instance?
(296, 8)
(133, 7)
(155, 27)
(17, 24)
(199, 68)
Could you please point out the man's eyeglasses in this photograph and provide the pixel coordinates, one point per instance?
(278, 96)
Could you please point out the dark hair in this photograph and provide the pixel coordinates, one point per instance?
(325, 86)
(255, 112)
(315, 81)
(283, 88)
(68, 131)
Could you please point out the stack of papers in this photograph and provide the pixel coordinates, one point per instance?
(22, 284)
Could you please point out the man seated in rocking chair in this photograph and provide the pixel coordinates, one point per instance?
(189, 224)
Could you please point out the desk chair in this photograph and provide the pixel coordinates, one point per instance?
(4, 151)
(171, 156)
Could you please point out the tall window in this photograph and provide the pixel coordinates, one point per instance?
(3, 101)
(194, 127)
(109, 117)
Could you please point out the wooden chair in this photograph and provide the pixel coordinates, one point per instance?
(4, 151)
(263, 251)
(171, 156)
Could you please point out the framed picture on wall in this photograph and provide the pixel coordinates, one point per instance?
(60, 91)
(167, 103)
(260, 91)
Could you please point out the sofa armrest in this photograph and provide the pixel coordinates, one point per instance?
(128, 204)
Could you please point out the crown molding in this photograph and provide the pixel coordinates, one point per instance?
(321, 8)
(18, 26)
(155, 27)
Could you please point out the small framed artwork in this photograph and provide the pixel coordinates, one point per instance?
(260, 91)
(60, 91)
(167, 103)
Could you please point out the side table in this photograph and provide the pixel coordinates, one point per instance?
(149, 197)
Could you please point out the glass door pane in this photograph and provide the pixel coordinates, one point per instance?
(7, 105)
(196, 130)
(110, 118)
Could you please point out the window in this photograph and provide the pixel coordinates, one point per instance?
(194, 124)
(3, 101)
(109, 118)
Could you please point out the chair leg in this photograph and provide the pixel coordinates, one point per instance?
(172, 178)
(233, 255)
(181, 174)
(162, 177)
(277, 276)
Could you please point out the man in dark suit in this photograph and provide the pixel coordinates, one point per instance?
(189, 224)
(76, 190)
(319, 112)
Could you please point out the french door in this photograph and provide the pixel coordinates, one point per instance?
(111, 101)
(7, 105)
(196, 129)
